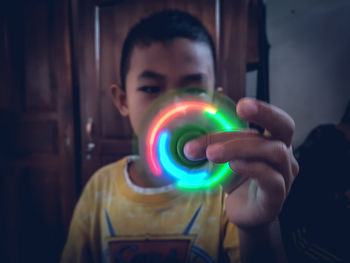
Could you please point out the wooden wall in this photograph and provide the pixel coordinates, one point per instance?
(37, 179)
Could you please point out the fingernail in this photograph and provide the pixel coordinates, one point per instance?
(248, 107)
(190, 149)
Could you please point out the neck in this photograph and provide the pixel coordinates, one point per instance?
(143, 179)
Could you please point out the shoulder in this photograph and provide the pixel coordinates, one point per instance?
(110, 170)
(101, 187)
(320, 140)
(106, 176)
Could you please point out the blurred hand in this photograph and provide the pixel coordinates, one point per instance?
(266, 161)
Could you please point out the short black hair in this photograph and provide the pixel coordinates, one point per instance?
(163, 27)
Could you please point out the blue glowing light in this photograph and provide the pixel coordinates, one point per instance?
(186, 176)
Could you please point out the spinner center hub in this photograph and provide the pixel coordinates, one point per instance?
(171, 124)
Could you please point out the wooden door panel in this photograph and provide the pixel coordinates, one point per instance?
(253, 55)
(37, 162)
(233, 51)
(35, 137)
(34, 221)
(100, 28)
(38, 84)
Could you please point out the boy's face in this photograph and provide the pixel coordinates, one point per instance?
(159, 68)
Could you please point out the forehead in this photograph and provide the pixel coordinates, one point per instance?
(176, 57)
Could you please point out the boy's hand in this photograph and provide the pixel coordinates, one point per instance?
(266, 160)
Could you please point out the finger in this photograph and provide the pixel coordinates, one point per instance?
(295, 165)
(266, 184)
(233, 182)
(276, 121)
(294, 168)
(195, 149)
(267, 178)
(273, 152)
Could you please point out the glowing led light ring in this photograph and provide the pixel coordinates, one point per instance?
(158, 145)
(161, 120)
(169, 165)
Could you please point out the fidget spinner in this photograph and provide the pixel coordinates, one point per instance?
(175, 119)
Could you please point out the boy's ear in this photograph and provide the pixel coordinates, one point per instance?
(119, 99)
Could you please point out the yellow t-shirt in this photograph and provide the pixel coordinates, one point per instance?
(116, 221)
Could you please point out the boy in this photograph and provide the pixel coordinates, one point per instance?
(125, 216)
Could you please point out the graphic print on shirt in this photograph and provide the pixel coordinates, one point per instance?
(167, 248)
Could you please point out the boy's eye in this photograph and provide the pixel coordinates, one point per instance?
(150, 89)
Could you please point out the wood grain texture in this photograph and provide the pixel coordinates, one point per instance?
(37, 169)
(253, 33)
(233, 47)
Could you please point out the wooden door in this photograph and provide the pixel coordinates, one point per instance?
(37, 161)
(99, 30)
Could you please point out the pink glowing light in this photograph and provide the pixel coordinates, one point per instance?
(161, 120)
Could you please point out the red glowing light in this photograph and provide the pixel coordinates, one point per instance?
(161, 120)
